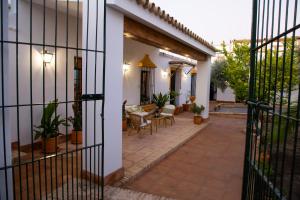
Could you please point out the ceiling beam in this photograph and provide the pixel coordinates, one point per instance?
(142, 33)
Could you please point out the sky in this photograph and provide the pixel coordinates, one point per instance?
(213, 20)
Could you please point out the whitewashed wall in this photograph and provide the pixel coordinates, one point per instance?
(37, 66)
(133, 52)
(226, 95)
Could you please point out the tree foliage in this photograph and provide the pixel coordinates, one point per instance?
(218, 74)
(237, 68)
(276, 70)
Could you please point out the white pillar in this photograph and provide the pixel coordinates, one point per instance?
(113, 86)
(203, 85)
(5, 135)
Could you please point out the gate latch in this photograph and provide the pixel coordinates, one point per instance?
(90, 97)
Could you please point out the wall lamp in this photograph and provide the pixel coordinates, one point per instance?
(47, 57)
(126, 67)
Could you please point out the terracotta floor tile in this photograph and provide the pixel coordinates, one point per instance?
(208, 167)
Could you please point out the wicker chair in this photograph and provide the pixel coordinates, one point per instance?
(138, 123)
(168, 112)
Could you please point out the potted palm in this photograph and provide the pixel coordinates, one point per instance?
(124, 119)
(48, 130)
(197, 110)
(76, 121)
(160, 100)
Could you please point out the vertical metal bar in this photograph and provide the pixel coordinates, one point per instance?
(79, 102)
(17, 96)
(281, 104)
(103, 102)
(95, 91)
(3, 103)
(27, 182)
(251, 87)
(269, 96)
(275, 92)
(55, 93)
(40, 181)
(43, 86)
(67, 58)
(86, 91)
(31, 107)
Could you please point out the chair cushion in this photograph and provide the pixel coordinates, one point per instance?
(166, 114)
(168, 110)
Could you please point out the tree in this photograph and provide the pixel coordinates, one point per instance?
(272, 70)
(237, 68)
(218, 74)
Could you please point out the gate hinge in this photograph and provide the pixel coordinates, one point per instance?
(89, 97)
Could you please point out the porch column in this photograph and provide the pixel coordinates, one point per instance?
(6, 187)
(113, 86)
(203, 85)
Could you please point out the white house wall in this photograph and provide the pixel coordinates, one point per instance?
(133, 52)
(37, 66)
(226, 95)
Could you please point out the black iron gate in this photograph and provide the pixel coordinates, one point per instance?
(272, 154)
(52, 140)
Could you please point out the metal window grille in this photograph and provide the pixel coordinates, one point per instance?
(31, 82)
(272, 154)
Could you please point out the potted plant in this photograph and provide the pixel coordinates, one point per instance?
(160, 100)
(173, 96)
(76, 121)
(197, 110)
(124, 119)
(186, 106)
(48, 130)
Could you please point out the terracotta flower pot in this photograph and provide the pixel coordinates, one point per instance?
(76, 137)
(197, 119)
(124, 125)
(192, 99)
(49, 145)
(186, 107)
(177, 110)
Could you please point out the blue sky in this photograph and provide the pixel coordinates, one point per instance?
(214, 20)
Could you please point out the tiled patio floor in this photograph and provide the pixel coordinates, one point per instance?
(142, 152)
(209, 167)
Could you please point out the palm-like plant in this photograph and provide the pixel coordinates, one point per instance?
(197, 110)
(160, 100)
(76, 121)
(49, 127)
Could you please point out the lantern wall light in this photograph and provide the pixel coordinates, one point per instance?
(47, 57)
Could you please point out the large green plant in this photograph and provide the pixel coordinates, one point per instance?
(160, 100)
(49, 126)
(76, 121)
(197, 110)
(173, 95)
(218, 74)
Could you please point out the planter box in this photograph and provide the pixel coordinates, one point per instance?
(198, 119)
(76, 137)
(186, 107)
(49, 145)
(124, 125)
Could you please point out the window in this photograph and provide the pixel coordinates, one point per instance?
(147, 86)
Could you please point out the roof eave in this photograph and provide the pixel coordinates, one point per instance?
(133, 10)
